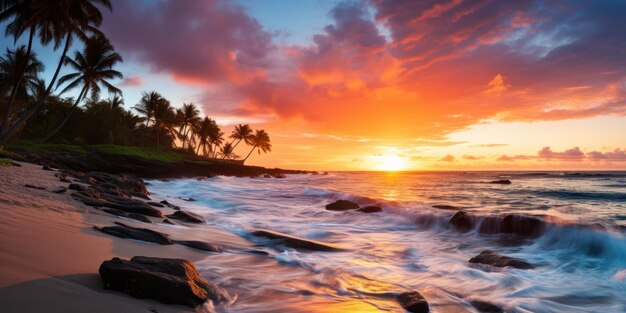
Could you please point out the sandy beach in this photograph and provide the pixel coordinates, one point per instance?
(50, 253)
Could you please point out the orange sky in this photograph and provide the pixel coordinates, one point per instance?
(416, 85)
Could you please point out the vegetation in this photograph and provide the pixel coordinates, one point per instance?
(31, 110)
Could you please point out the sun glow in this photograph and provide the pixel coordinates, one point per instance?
(392, 162)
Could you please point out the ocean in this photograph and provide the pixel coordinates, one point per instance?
(579, 250)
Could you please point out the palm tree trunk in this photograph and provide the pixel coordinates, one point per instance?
(67, 117)
(157, 125)
(235, 146)
(23, 118)
(249, 153)
(9, 106)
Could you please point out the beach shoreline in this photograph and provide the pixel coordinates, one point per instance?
(50, 253)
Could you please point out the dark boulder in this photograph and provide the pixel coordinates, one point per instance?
(522, 225)
(171, 281)
(294, 242)
(446, 207)
(342, 205)
(462, 221)
(370, 209)
(187, 217)
(35, 187)
(413, 301)
(46, 168)
(139, 217)
(199, 245)
(491, 258)
(501, 182)
(129, 232)
(166, 221)
(77, 187)
(485, 307)
(156, 204)
(59, 190)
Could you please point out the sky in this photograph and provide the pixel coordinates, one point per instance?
(390, 84)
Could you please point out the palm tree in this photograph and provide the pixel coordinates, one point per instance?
(19, 72)
(52, 21)
(241, 132)
(147, 105)
(216, 138)
(164, 119)
(94, 65)
(188, 116)
(203, 132)
(228, 151)
(260, 141)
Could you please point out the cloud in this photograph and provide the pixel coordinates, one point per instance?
(472, 157)
(573, 154)
(132, 81)
(506, 158)
(447, 158)
(424, 77)
(496, 86)
(489, 145)
(615, 155)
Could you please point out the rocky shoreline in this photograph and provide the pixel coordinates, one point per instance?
(150, 169)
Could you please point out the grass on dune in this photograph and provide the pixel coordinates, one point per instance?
(139, 152)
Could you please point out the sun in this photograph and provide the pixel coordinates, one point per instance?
(392, 162)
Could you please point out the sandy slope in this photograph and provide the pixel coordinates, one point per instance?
(50, 254)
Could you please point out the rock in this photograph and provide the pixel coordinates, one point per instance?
(462, 221)
(446, 207)
(485, 307)
(187, 217)
(294, 242)
(139, 195)
(199, 245)
(413, 301)
(59, 190)
(171, 281)
(342, 205)
(77, 187)
(190, 199)
(165, 202)
(129, 232)
(166, 221)
(35, 187)
(126, 205)
(491, 258)
(279, 176)
(522, 225)
(46, 168)
(501, 182)
(370, 209)
(267, 176)
(139, 217)
(156, 204)
(115, 212)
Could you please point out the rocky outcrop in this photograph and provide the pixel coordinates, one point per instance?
(187, 217)
(370, 209)
(522, 225)
(489, 257)
(138, 217)
(500, 182)
(294, 242)
(462, 221)
(486, 307)
(413, 301)
(171, 281)
(129, 232)
(342, 205)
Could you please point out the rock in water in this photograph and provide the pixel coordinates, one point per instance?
(486, 307)
(342, 205)
(501, 182)
(522, 225)
(187, 217)
(413, 301)
(294, 242)
(370, 209)
(446, 207)
(461, 221)
(171, 281)
(129, 232)
(491, 258)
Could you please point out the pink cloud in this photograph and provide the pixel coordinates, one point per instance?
(132, 81)
(447, 158)
(573, 154)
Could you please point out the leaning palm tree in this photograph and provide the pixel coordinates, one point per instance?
(260, 141)
(228, 151)
(55, 21)
(241, 132)
(94, 66)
